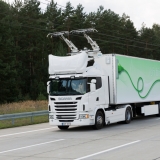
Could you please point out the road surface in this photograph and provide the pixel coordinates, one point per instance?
(139, 140)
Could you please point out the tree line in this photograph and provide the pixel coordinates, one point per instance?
(24, 47)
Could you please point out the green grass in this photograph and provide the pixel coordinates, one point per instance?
(25, 106)
(23, 121)
(19, 107)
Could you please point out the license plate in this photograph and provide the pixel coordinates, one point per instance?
(66, 124)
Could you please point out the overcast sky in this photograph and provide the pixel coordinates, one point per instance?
(147, 11)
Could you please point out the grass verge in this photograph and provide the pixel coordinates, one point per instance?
(23, 121)
(19, 107)
(26, 106)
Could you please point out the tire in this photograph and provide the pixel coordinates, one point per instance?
(63, 127)
(158, 115)
(99, 120)
(128, 116)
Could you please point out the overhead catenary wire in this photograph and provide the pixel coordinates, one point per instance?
(56, 4)
(121, 44)
(79, 36)
(126, 29)
(126, 39)
(105, 35)
(10, 24)
(105, 21)
(142, 42)
(117, 43)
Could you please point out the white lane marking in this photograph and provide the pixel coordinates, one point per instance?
(6, 135)
(30, 146)
(108, 150)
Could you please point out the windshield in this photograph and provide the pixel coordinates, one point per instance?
(68, 87)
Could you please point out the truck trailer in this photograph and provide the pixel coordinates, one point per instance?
(91, 88)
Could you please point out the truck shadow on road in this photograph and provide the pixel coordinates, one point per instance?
(88, 128)
(138, 122)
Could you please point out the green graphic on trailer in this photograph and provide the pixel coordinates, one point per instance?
(154, 71)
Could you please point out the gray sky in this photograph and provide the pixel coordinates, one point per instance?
(147, 11)
(140, 11)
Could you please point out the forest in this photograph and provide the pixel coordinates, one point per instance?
(24, 46)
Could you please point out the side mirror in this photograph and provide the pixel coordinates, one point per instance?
(93, 85)
(48, 86)
(93, 81)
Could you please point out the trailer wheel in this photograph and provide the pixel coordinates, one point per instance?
(128, 116)
(63, 127)
(99, 120)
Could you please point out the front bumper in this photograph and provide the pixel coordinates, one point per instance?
(76, 122)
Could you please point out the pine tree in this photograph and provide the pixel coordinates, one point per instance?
(8, 73)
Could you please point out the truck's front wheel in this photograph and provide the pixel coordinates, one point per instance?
(63, 127)
(99, 120)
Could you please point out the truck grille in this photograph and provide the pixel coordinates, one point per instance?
(66, 110)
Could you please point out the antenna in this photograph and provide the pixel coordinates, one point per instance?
(69, 43)
(94, 45)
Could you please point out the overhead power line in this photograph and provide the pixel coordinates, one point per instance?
(56, 4)
(124, 29)
(126, 39)
(81, 36)
(118, 43)
(11, 24)
(132, 40)
(123, 38)
(96, 33)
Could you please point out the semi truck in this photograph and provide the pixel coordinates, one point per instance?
(91, 88)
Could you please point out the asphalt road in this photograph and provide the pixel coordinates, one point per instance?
(139, 140)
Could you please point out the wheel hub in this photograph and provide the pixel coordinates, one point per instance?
(99, 120)
(128, 115)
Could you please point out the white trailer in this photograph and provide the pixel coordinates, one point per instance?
(90, 88)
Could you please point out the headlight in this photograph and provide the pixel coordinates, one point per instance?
(83, 116)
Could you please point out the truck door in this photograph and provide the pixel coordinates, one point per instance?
(94, 98)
